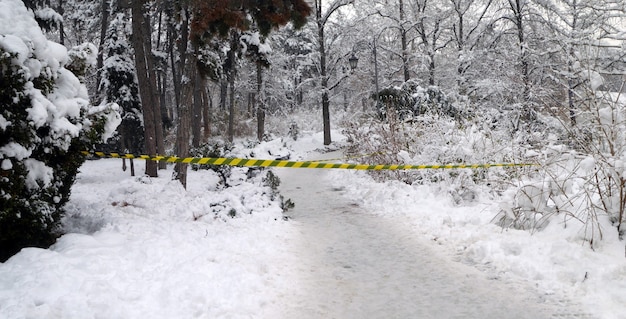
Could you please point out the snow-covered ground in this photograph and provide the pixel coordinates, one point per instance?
(355, 264)
(353, 248)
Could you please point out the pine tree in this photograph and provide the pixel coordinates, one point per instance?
(119, 85)
(45, 121)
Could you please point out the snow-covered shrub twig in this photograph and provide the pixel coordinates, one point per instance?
(582, 185)
(435, 139)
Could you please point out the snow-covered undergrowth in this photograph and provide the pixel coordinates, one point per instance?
(535, 223)
(581, 182)
(434, 139)
(142, 247)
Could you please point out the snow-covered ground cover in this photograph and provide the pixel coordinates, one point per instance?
(142, 247)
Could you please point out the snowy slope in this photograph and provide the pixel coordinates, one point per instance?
(137, 252)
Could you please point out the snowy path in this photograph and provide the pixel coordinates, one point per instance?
(353, 264)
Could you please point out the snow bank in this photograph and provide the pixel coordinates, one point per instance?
(144, 247)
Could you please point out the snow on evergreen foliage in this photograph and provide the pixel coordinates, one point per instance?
(119, 85)
(45, 121)
(411, 99)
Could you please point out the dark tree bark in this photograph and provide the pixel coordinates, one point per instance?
(184, 120)
(403, 41)
(324, 79)
(321, 19)
(207, 102)
(61, 11)
(104, 24)
(223, 93)
(196, 116)
(517, 8)
(154, 91)
(232, 70)
(260, 108)
(146, 92)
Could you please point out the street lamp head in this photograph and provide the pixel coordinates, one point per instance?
(353, 60)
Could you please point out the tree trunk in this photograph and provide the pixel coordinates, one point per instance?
(231, 108)
(104, 24)
(178, 67)
(403, 41)
(260, 108)
(145, 90)
(61, 11)
(196, 117)
(234, 43)
(517, 8)
(184, 121)
(570, 69)
(207, 103)
(154, 95)
(251, 103)
(175, 71)
(431, 68)
(324, 79)
(223, 93)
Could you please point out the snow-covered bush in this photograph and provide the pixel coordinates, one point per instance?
(45, 121)
(436, 139)
(411, 100)
(582, 185)
(213, 149)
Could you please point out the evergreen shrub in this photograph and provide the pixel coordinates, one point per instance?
(45, 121)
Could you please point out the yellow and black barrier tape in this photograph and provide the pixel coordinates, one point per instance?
(252, 162)
(347, 157)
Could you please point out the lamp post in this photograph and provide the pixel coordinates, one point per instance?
(353, 61)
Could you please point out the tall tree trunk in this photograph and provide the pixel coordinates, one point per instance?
(223, 93)
(196, 116)
(175, 71)
(184, 120)
(182, 46)
(104, 24)
(403, 41)
(231, 108)
(460, 36)
(431, 68)
(162, 78)
(517, 8)
(324, 78)
(61, 11)
(234, 43)
(570, 69)
(145, 88)
(207, 102)
(260, 108)
(154, 95)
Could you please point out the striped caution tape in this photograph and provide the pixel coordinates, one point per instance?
(347, 157)
(252, 162)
